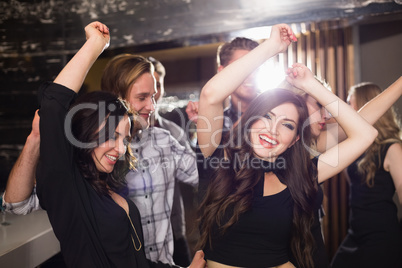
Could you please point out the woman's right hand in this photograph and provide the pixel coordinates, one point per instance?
(98, 29)
(283, 35)
(198, 260)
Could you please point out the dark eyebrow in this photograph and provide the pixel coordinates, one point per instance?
(286, 119)
(144, 94)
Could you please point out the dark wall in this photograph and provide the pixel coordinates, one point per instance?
(381, 54)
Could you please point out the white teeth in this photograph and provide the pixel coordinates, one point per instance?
(265, 138)
(112, 158)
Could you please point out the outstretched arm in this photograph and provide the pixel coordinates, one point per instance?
(22, 176)
(337, 158)
(371, 112)
(74, 73)
(224, 83)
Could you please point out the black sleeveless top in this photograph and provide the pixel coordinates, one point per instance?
(261, 236)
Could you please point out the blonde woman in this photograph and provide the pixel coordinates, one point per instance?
(374, 238)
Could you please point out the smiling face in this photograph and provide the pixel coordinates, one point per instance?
(141, 97)
(276, 132)
(106, 154)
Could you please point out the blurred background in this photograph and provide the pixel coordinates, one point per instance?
(343, 41)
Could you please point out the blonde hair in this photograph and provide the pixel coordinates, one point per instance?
(388, 126)
(122, 71)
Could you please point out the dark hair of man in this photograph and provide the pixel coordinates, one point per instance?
(225, 51)
(234, 188)
(94, 127)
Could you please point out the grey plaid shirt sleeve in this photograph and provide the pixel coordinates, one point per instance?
(24, 207)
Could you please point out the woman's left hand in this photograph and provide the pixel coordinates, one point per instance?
(299, 75)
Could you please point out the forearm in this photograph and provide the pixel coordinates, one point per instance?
(74, 73)
(371, 112)
(232, 76)
(350, 121)
(376, 107)
(22, 176)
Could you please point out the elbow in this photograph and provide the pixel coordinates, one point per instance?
(372, 135)
(208, 95)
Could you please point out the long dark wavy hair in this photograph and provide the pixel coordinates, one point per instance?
(234, 188)
(93, 123)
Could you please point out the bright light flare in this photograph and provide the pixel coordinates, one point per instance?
(269, 76)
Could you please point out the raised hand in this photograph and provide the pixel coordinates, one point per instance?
(299, 75)
(192, 111)
(99, 29)
(74, 73)
(283, 35)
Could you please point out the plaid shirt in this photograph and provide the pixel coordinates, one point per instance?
(24, 207)
(161, 161)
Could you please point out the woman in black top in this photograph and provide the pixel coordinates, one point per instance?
(262, 200)
(374, 236)
(77, 182)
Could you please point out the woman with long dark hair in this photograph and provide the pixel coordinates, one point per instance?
(78, 181)
(262, 201)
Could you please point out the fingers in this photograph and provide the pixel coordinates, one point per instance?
(198, 260)
(97, 28)
(192, 111)
(292, 72)
(297, 69)
(287, 33)
(102, 28)
(200, 254)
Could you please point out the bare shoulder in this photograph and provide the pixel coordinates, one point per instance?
(393, 156)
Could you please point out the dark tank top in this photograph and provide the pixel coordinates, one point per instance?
(261, 236)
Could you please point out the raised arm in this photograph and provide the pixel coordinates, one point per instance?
(360, 134)
(224, 83)
(371, 112)
(22, 176)
(74, 73)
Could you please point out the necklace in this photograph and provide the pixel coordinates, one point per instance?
(135, 231)
(118, 200)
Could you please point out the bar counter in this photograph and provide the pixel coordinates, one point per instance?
(26, 240)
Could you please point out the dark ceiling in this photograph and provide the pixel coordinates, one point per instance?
(56, 26)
